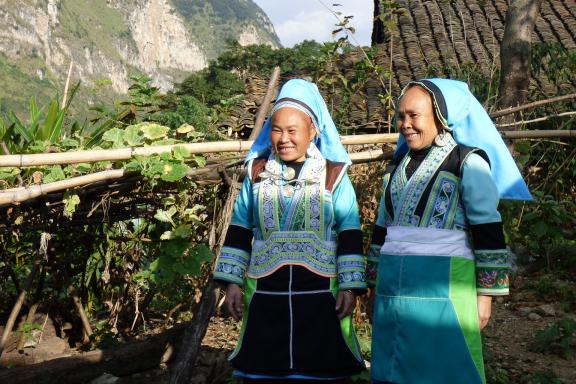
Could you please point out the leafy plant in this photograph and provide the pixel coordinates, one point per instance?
(544, 377)
(559, 339)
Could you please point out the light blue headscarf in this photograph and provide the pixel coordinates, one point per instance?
(471, 125)
(304, 92)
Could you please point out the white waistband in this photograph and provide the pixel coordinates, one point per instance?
(418, 241)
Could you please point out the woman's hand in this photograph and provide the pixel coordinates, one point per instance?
(233, 301)
(345, 303)
(484, 310)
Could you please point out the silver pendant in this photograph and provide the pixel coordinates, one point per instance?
(289, 173)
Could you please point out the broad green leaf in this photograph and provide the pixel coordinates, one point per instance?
(173, 172)
(200, 160)
(166, 216)
(167, 235)
(69, 143)
(115, 136)
(153, 131)
(56, 173)
(203, 252)
(132, 136)
(180, 153)
(49, 128)
(83, 167)
(540, 229)
(185, 128)
(169, 200)
(70, 204)
(182, 231)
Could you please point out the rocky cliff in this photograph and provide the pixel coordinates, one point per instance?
(109, 40)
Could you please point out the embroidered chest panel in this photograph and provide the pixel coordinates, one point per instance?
(295, 220)
(430, 198)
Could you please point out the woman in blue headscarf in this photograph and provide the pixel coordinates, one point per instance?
(438, 254)
(292, 257)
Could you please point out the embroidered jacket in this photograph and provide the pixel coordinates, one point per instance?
(451, 189)
(311, 221)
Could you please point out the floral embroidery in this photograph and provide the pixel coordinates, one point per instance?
(492, 280)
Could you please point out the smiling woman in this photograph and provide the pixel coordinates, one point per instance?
(292, 259)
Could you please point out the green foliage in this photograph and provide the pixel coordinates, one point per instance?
(27, 327)
(497, 375)
(559, 62)
(544, 377)
(184, 110)
(41, 129)
(211, 86)
(559, 339)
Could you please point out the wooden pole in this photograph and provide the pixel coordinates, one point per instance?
(183, 367)
(19, 302)
(263, 110)
(213, 147)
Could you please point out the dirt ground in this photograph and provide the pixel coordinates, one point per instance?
(508, 344)
(508, 341)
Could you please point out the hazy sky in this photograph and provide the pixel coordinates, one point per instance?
(299, 20)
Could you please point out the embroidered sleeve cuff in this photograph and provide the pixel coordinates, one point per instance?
(231, 265)
(492, 280)
(372, 265)
(351, 272)
(492, 272)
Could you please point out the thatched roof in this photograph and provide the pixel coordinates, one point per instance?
(441, 36)
(444, 38)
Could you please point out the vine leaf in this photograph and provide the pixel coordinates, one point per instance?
(174, 171)
(166, 216)
(71, 201)
(114, 136)
(153, 131)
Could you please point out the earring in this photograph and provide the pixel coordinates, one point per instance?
(441, 139)
(310, 149)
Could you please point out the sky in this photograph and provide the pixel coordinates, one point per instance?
(299, 20)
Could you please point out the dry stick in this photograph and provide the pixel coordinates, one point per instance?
(263, 110)
(522, 122)
(83, 317)
(538, 103)
(19, 303)
(79, 307)
(538, 134)
(32, 310)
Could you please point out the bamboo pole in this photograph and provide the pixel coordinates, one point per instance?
(263, 110)
(216, 147)
(128, 153)
(18, 195)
